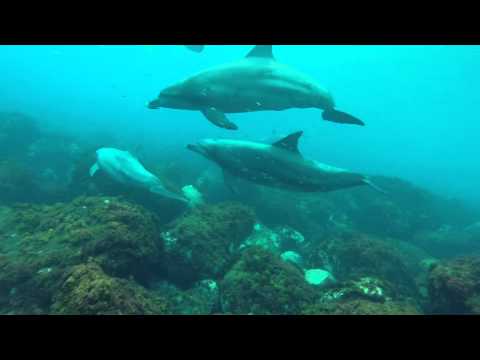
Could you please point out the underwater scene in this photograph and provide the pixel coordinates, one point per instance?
(239, 180)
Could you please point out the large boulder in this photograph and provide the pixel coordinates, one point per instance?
(39, 242)
(87, 290)
(454, 286)
(354, 255)
(262, 283)
(203, 243)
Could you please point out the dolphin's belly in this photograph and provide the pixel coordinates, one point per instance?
(289, 180)
(276, 168)
(244, 89)
(261, 96)
(128, 172)
(270, 171)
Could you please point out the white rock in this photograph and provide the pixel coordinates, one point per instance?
(293, 257)
(318, 277)
(194, 196)
(264, 237)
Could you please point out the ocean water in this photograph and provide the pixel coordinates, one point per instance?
(420, 107)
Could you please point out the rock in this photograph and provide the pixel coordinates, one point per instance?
(194, 196)
(40, 242)
(277, 239)
(368, 288)
(261, 283)
(202, 299)
(363, 296)
(87, 290)
(264, 237)
(355, 255)
(290, 238)
(204, 243)
(318, 277)
(292, 257)
(362, 307)
(454, 286)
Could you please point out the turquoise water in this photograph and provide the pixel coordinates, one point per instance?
(81, 244)
(419, 103)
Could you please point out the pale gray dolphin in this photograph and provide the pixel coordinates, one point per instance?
(277, 165)
(126, 169)
(255, 83)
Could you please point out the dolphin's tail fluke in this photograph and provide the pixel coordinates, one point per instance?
(374, 186)
(341, 117)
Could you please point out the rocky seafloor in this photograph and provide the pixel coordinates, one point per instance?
(70, 244)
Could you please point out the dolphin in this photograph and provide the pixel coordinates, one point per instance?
(126, 169)
(278, 165)
(255, 83)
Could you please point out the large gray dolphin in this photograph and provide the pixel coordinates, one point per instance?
(255, 83)
(126, 169)
(277, 165)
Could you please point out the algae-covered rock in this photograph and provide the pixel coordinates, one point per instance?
(121, 235)
(352, 255)
(454, 286)
(201, 299)
(368, 288)
(262, 283)
(264, 237)
(292, 257)
(362, 307)
(87, 290)
(276, 239)
(39, 242)
(203, 243)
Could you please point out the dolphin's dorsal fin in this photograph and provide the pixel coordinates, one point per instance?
(289, 142)
(261, 51)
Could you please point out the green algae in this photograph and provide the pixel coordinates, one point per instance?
(87, 290)
(261, 283)
(454, 286)
(203, 243)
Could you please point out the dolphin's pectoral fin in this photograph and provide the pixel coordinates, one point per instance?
(289, 142)
(229, 181)
(218, 118)
(374, 186)
(341, 117)
(94, 169)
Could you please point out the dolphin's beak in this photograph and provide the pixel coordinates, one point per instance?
(154, 104)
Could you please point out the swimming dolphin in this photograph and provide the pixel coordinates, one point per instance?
(126, 169)
(195, 48)
(255, 83)
(277, 165)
